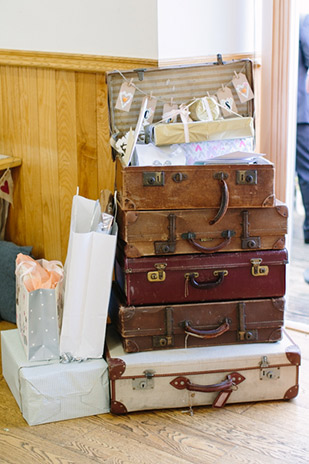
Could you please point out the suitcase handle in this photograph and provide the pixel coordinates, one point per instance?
(224, 198)
(229, 384)
(213, 333)
(205, 285)
(226, 234)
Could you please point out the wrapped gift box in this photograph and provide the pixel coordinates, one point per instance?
(199, 131)
(51, 391)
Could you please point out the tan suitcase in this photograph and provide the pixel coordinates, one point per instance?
(147, 233)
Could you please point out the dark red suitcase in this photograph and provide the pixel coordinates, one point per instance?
(197, 278)
(145, 328)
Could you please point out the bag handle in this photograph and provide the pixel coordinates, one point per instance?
(226, 234)
(213, 333)
(221, 176)
(231, 381)
(190, 277)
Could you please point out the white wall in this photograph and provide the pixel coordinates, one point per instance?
(205, 27)
(156, 29)
(126, 28)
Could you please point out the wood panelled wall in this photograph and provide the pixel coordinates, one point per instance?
(54, 116)
(56, 120)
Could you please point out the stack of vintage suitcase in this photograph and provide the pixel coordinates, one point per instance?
(200, 269)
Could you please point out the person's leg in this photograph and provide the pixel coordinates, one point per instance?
(302, 169)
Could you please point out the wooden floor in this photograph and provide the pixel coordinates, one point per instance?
(270, 432)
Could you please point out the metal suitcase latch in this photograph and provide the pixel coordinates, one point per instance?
(246, 240)
(257, 270)
(146, 383)
(169, 245)
(153, 178)
(159, 275)
(246, 177)
(268, 373)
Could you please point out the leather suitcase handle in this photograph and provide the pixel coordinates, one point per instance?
(205, 285)
(213, 333)
(224, 198)
(229, 384)
(226, 234)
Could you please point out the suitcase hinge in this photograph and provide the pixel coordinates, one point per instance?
(159, 275)
(246, 240)
(268, 373)
(243, 334)
(257, 270)
(167, 340)
(169, 245)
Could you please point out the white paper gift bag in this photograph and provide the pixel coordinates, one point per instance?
(38, 312)
(88, 279)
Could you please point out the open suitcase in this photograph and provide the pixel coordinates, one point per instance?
(147, 233)
(218, 186)
(201, 277)
(201, 376)
(155, 327)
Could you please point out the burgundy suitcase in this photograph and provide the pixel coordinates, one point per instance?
(145, 328)
(147, 233)
(201, 277)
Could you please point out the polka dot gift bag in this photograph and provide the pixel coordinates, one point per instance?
(39, 306)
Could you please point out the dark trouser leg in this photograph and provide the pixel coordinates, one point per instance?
(302, 169)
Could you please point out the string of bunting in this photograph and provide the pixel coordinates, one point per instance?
(223, 98)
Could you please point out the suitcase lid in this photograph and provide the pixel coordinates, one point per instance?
(181, 83)
(198, 360)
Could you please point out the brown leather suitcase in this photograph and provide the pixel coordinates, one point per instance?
(201, 277)
(148, 233)
(145, 328)
(216, 186)
(211, 375)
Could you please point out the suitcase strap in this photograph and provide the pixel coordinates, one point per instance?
(224, 388)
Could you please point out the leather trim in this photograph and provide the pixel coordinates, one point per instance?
(116, 367)
(275, 335)
(269, 201)
(130, 346)
(291, 392)
(129, 204)
(279, 303)
(118, 408)
(132, 217)
(132, 252)
(282, 210)
(279, 244)
(293, 354)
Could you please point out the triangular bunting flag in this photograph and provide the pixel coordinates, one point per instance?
(6, 186)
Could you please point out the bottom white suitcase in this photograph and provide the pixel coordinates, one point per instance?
(201, 376)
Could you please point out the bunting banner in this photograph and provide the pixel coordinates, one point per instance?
(6, 186)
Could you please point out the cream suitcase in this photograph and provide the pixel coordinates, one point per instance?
(201, 376)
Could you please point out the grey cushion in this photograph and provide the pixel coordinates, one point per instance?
(8, 253)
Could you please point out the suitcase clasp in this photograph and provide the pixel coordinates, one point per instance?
(257, 270)
(159, 275)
